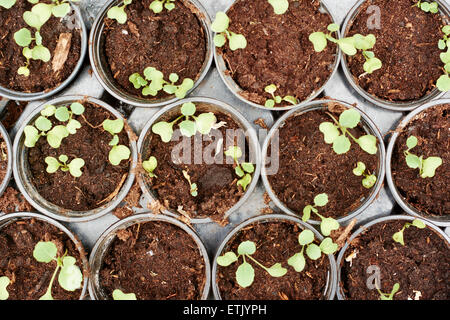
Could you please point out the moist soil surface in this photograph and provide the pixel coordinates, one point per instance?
(12, 112)
(421, 265)
(30, 278)
(278, 50)
(3, 159)
(275, 242)
(407, 46)
(308, 166)
(216, 182)
(171, 41)
(100, 179)
(42, 76)
(429, 195)
(155, 261)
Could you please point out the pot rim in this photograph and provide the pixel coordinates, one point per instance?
(367, 122)
(26, 96)
(9, 169)
(409, 209)
(386, 104)
(109, 234)
(252, 141)
(44, 206)
(104, 79)
(366, 226)
(79, 245)
(274, 217)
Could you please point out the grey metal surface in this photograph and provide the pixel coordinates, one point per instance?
(212, 234)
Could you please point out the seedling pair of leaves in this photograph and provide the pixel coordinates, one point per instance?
(327, 224)
(153, 82)
(279, 6)
(369, 179)
(203, 123)
(193, 186)
(336, 133)
(431, 7)
(74, 167)
(427, 167)
(243, 170)
(398, 236)
(118, 12)
(313, 251)
(443, 83)
(44, 127)
(70, 276)
(117, 152)
(220, 27)
(7, 4)
(349, 46)
(245, 274)
(389, 296)
(150, 166)
(158, 5)
(270, 103)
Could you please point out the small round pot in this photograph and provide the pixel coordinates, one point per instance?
(22, 174)
(102, 245)
(330, 289)
(6, 138)
(236, 90)
(104, 76)
(440, 221)
(369, 126)
(214, 106)
(10, 218)
(25, 96)
(340, 294)
(390, 105)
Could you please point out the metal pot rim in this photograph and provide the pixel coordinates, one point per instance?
(146, 217)
(43, 205)
(397, 196)
(252, 140)
(273, 217)
(235, 89)
(318, 104)
(9, 169)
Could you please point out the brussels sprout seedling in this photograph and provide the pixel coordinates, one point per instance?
(270, 103)
(7, 4)
(74, 167)
(427, 6)
(150, 165)
(118, 12)
(243, 170)
(443, 83)
(389, 296)
(245, 274)
(119, 295)
(117, 152)
(398, 236)
(279, 6)
(158, 5)
(328, 224)
(427, 167)
(369, 179)
(220, 26)
(194, 188)
(4, 283)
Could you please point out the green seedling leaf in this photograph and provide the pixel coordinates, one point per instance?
(247, 247)
(418, 224)
(118, 153)
(369, 181)
(38, 40)
(321, 200)
(291, 100)
(327, 225)
(360, 168)
(347, 45)
(63, 158)
(276, 270)
(368, 143)
(279, 6)
(248, 167)
(390, 296)
(169, 6)
(173, 77)
(52, 164)
(205, 122)
(75, 167)
(7, 4)
(70, 276)
(73, 126)
(41, 53)
(56, 135)
(313, 251)
(113, 126)
(341, 145)
(119, 295)
(150, 165)
(61, 10)
(307, 213)
(185, 86)
(32, 20)
(48, 110)
(327, 246)
(234, 152)
(237, 41)
(413, 161)
(372, 65)
(164, 130)
(411, 142)
(43, 124)
(77, 108)
(137, 81)
(305, 237)
(23, 71)
(188, 109)
(31, 136)
(45, 251)
(43, 11)
(270, 103)
(219, 40)
(239, 172)
(330, 131)
(114, 141)
(23, 37)
(398, 237)
(62, 114)
(245, 181)
(333, 27)
(297, 261)
(4, 282)
(443, 83)
(245, 274)
(221, 23)
(227, 259)
(156, 6)
(188, 128)
(319, 41)
(118, 14)
(429, 166)
(270, 89)
(349, 118)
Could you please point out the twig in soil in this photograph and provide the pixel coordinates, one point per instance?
(116, 191)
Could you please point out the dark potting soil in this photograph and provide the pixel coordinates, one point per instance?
(14, 201)
(217, 188)
(275, 242)
(30, 278)
(42, 77)
(278, 49)
(100, 179)
(429, 195)
(12, 112)
(155, 261)
(407, 44)
(3, 159)
(308, 166)
(171, 41)
(421, 266)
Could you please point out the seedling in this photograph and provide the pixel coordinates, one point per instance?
(349, 46)
(427, 6)
(427, 167)
(243, 170)
(118, 12)
(117, 152)
(398, 236)
(389, 296)
(153, 82)
(279, 6)
(4, 283)
(194, 189)
(119, 295)
(150, 166)
(270, 103)
(74, 167)
(157, 5)
(203, 123)
(7, 4)
(220, 26)
(348, 119)
(369, 179)
(443, 83)
(245, 274)
(313, 251)
(328, 224)
(70, 276)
